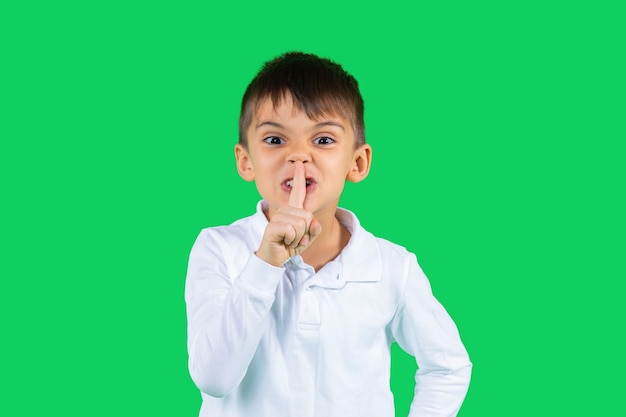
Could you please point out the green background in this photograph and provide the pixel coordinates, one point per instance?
(497, 129)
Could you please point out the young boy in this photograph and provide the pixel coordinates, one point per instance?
(292, 311)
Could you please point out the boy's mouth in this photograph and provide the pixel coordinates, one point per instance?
(310, 185)
(289, 183)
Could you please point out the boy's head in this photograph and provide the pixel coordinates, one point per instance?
(317, 86)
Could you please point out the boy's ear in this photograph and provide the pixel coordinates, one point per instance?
(244, 164)
(361, 165)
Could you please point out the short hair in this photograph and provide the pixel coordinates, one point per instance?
(318, 86)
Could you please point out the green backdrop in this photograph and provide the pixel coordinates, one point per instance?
(497, 129)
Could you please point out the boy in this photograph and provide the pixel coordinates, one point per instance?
(292, 311)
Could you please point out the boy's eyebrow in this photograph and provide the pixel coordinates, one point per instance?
(321, 124)
(330, 123)
(273, 124)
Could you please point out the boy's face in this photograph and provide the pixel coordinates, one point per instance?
(278, 137)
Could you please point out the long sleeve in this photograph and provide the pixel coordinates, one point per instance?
(229, 292)
(423, 328)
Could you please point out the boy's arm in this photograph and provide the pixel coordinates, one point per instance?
(226, 317)
(423, 328)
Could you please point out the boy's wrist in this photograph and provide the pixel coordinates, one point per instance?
(261, 276)
(270, 258)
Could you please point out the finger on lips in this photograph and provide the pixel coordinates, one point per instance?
(298, 186)
(297, 196)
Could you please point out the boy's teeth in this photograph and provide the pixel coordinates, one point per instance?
(290, 182)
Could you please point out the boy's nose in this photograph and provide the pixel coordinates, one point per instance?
(303, 160)
(299, 155)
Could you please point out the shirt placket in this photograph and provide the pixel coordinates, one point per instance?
(306, 338)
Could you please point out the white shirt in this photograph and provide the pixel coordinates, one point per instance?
(287, 341)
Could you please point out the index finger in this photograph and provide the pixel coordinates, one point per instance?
(298, 186)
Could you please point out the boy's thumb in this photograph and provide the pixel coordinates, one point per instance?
(315, 228)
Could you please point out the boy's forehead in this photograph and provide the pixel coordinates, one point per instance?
(267, 109)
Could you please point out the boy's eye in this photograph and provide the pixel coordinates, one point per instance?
(274, 140)
(324, 141)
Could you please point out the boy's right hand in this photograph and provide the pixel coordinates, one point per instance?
(291, 229)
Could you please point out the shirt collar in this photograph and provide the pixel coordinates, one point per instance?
(360, 260)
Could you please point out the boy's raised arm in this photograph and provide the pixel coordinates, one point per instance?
(226, 314)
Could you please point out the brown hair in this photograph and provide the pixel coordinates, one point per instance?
(318, 86)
